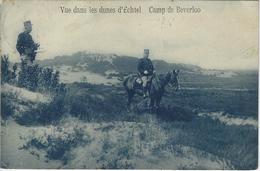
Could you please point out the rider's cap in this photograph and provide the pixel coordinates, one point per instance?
(27, 23)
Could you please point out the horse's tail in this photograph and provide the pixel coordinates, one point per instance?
(123, 76)
(128, 82)
(125, 82)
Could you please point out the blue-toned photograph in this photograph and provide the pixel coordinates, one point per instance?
(129, 85)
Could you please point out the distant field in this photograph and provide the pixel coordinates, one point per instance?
(243, 103)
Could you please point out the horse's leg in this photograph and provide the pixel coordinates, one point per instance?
(130, 97)
(157, 103)
(151, 105)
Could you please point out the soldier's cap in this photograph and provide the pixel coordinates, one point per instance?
(26, 23)
(146, 50)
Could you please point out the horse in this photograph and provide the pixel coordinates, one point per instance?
(157, 87)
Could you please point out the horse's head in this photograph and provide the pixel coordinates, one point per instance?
(174, 79)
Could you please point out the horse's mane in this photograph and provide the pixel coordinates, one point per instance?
(160, 80)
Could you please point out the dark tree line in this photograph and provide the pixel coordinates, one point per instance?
(34, 78)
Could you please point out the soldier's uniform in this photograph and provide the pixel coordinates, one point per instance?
(145, 69)
(26, 46)
(145, 64)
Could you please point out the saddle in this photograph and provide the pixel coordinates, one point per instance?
(140, 79)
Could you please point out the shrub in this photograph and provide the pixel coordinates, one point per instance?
(57, 141)
(175, 113)
(40, 79)
(235, 143)
(7, 107)
(6, 73)
(43, 113)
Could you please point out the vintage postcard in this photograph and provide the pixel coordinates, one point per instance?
(129, 84)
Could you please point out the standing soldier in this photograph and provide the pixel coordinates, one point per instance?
(26, 46)
(146, 70)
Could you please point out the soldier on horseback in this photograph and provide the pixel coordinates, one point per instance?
(26, 46)
(146, 70)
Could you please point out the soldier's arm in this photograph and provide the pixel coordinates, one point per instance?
(34, 46)
(19, 44)
(151, 65)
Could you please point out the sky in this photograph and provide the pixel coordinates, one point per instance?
(224, 35)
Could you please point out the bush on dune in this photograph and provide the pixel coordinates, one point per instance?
(33, 78)
(7, 107)
(93, 103)
(43, 113)
(175, 113)
(57, 141)
(235, 143)
(7, 74)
